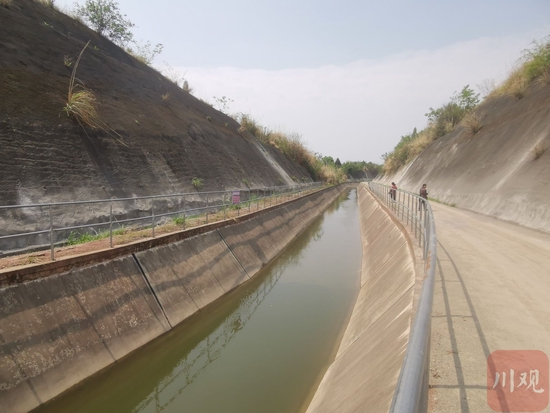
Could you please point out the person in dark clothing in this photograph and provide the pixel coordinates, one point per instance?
(393, 191)
(423, 194)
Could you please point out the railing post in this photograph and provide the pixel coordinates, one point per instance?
(111, 224)
(207, 205)
(224, 194)
(408, 206)
(249, 202)
(420, 229)
(426, 225)
(52, 253)
(153, 216)
(415, 224)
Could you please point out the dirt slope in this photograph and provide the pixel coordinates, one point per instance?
(45, 156)
(494, 172)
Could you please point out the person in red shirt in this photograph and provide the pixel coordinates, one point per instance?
(393, 191)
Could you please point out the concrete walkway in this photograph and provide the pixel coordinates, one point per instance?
(492, 292)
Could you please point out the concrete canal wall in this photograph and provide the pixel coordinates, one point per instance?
(62, 322)
(364, 374)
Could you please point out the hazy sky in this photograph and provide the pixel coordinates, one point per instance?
(351, 77)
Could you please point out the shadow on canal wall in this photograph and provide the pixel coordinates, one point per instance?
(65, 321)
(366, 369)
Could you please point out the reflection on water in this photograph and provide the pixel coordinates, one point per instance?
(261, 348)
(211, 347)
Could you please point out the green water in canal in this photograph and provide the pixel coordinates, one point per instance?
(261, 348)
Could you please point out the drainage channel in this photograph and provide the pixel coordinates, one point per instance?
(261, 348)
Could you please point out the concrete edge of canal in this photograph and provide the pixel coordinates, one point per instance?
(364, 374)
(65, 321)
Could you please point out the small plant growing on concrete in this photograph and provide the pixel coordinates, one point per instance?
(246, 182)
(165, 97)
(545, 78)
(67, 60)
(179, 220)
(198, 183)
(472, 123)
(538, 150)
(5, 3)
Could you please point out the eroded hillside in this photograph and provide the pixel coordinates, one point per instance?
(152, 145)
(503, 170)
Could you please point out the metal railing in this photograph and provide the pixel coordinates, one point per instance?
(117, 212)
(411, 393)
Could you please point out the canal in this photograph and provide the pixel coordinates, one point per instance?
(262, 348)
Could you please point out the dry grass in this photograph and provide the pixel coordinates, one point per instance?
(5, 3)
(516, 85)
(538, 150)
(545, 78)
(331, 175)
(533, 66)
(165, 97)
(487, 87)
(472, 123)
(48, 3)
(82, 103)
(420, 143)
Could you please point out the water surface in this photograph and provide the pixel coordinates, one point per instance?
(262, 348)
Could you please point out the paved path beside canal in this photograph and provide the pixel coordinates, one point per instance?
(492, 293)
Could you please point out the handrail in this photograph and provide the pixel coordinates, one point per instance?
(208, 202)
(411, 393)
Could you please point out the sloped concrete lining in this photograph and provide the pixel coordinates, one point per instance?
(63, 327)
(366, 369)
(160, 266)
(276, 225)
(59, 330)
(257, 241)
(363, 377)
(248, 242)
(223, 264)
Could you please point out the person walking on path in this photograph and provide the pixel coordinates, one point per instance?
(393, 191)
(423, 194)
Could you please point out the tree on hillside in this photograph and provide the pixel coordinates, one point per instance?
(445, 118)
(105, 18)
(327, 160)
(338, 163)
(467, 99)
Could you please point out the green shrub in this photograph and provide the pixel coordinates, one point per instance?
(179, 220)
(534, 64)
(537, 59)
(198, 183)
